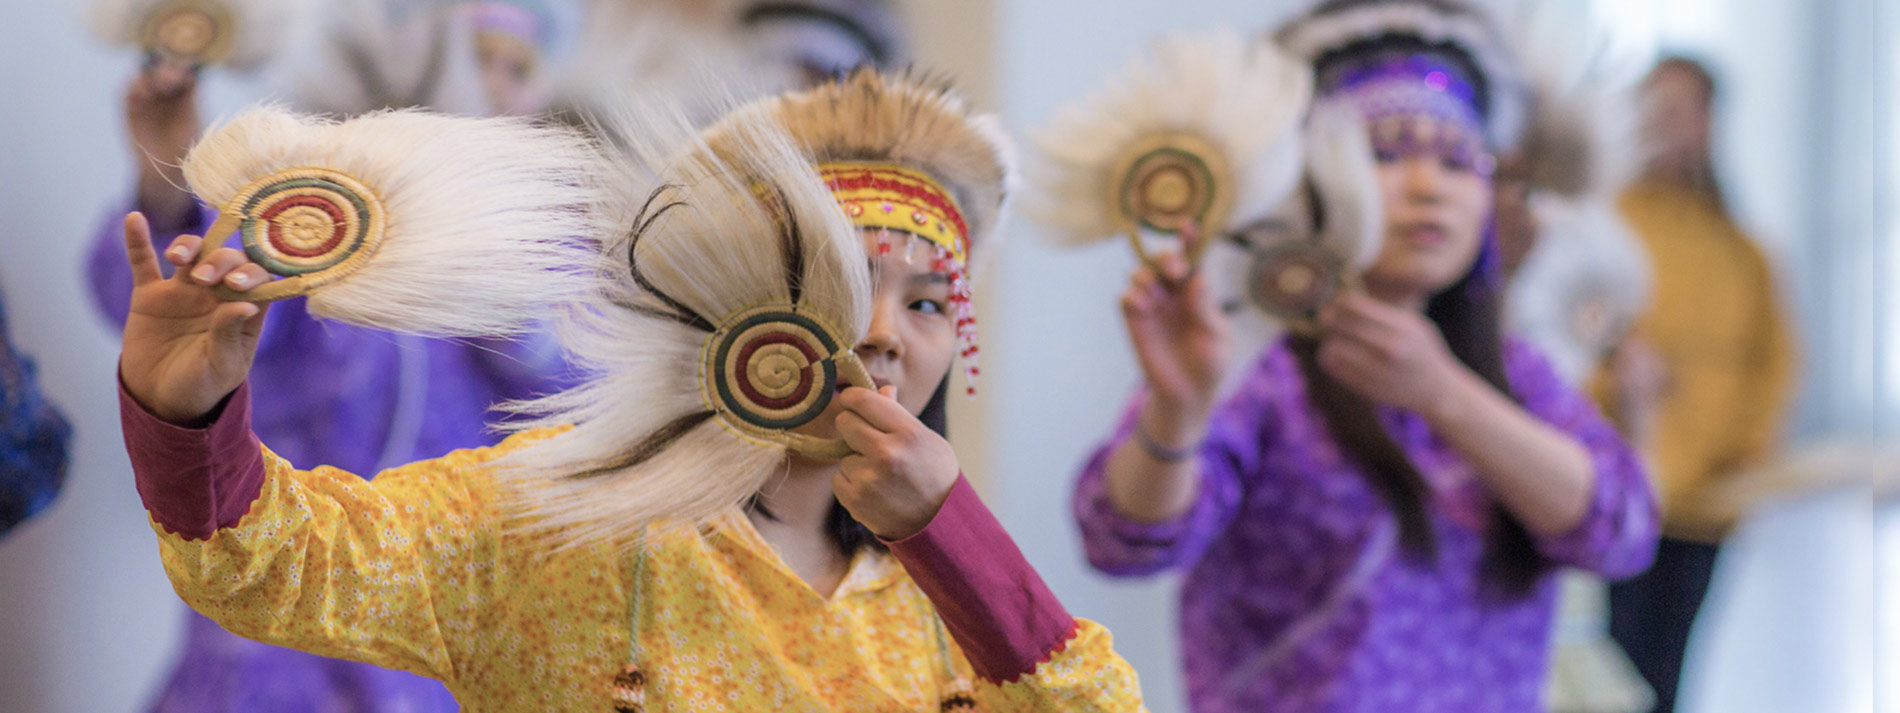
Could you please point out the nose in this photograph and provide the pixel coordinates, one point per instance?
(1424, 179)
(882, 340)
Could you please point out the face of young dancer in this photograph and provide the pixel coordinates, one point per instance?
(1435, 211)
(913, 338)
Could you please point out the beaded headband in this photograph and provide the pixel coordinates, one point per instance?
(891, 197)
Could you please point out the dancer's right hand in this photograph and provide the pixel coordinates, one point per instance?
(1180, 338)
(184, 348)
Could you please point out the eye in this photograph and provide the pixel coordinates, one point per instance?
(1386, 155)
(927, 307)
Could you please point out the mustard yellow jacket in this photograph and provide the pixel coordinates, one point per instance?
(1717, 324)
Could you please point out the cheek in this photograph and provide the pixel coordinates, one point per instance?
(933, 346)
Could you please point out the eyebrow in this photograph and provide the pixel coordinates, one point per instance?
(937, 277)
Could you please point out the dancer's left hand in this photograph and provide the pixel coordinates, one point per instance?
(1390, 355)
(902, 470)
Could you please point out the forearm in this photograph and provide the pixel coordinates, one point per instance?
(1540, 474)
(1150, 489)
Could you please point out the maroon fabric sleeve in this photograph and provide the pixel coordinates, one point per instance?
(994, 604)
(195, 481)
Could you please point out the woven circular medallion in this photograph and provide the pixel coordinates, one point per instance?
(1293, 281)
(304, 222)
(771, 369)
(199, 32)
(1169, 181)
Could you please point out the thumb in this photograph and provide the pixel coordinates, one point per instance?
(888, 391)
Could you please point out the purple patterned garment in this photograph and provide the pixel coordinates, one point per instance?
(361, 400)
(1297, 597)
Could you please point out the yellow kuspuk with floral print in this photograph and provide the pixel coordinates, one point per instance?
(416, 571)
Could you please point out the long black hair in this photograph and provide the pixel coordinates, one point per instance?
(1468, 314)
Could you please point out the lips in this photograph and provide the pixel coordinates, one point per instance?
(1425, 235)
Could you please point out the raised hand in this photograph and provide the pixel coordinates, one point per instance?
(1387, 354)
(184, 349)
(1180, 337)
(902, 470)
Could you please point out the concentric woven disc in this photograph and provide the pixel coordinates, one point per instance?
(772, 369)
(1166, 182)
(314, 224)
(192, 30)
(1293, 281)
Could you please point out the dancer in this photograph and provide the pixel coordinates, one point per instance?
(713, 520)
(1372, 520)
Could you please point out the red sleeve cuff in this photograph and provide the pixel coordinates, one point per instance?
(994, 604)
(195, 481)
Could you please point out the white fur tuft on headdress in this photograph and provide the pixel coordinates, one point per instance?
(1338, 24)
(715, 228)
(1582, 140)
(1240, 99)
(240, 34)
(406, 220)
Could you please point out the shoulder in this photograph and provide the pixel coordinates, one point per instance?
(1529, 369)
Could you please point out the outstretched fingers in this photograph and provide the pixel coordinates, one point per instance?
(138, 251)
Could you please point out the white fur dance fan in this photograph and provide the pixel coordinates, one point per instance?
(405, 220)
(236, 33)
(1292, 261)
(1581, 288)
(722, 318)
(1203, 130)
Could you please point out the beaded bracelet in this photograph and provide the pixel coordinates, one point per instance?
(1160, 452)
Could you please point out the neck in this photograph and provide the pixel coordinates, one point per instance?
(801, 501)
(799, 505)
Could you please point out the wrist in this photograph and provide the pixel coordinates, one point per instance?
(1448, 403)
(1171, 426)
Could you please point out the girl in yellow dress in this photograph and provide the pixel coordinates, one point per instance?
(681, 540)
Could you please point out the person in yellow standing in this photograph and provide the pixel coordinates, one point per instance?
(1719, 358)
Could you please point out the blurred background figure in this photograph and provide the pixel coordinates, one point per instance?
(33, 439)
(1708, 373)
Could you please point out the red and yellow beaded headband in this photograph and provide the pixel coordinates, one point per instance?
(889, 197)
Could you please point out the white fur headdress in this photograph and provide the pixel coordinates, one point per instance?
(1205, 128)
(1582, 140)
(723, 314)
(405, 220)
(240, 34)
(1336, 25)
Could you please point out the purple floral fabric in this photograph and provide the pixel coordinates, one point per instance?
(1297, 595)
(359, 399)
